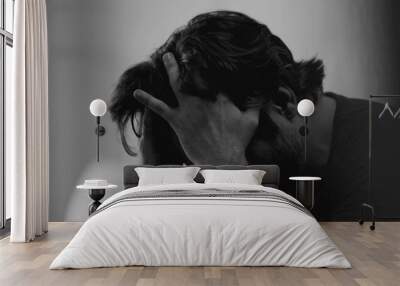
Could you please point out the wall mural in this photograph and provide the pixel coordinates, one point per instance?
(223, 89)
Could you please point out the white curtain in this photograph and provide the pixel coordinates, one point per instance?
(27, 143)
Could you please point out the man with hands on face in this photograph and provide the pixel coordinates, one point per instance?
(223, 90)
(210, 132)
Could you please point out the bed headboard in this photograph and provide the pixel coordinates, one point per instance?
(271, 177)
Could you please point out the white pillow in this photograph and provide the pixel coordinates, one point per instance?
(247, 177)
(162, 176)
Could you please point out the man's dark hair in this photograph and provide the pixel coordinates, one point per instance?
(230, 53)
(124, 110)
(234, 54)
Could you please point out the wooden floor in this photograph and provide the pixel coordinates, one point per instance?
(375, 257)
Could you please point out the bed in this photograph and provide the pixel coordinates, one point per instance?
(198, 224)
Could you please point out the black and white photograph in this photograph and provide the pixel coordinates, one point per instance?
(224, 89)
(185, 142)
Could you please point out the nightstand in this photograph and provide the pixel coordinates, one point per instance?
(305, 190)
(97, 190)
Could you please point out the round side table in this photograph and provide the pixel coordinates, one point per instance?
(96, 193)
(305, 190)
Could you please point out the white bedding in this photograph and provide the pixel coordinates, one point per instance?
(200, 231)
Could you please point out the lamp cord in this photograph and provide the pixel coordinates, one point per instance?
(305, 139)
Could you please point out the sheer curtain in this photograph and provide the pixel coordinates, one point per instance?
(27, 146)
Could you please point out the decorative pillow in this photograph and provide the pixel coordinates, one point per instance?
(248, 177)
(162, 176)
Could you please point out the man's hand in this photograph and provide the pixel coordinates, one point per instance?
(209, 132)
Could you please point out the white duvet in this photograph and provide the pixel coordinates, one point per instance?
(200, 231)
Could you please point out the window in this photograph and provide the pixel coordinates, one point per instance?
(9, 15)
(6, 45)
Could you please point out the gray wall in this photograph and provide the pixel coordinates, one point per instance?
(92, 41)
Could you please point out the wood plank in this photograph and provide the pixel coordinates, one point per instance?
(375, 257)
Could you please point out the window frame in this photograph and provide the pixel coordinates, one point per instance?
(6, 39)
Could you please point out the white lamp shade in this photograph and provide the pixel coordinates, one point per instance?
(305, 107)
(98, 107)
